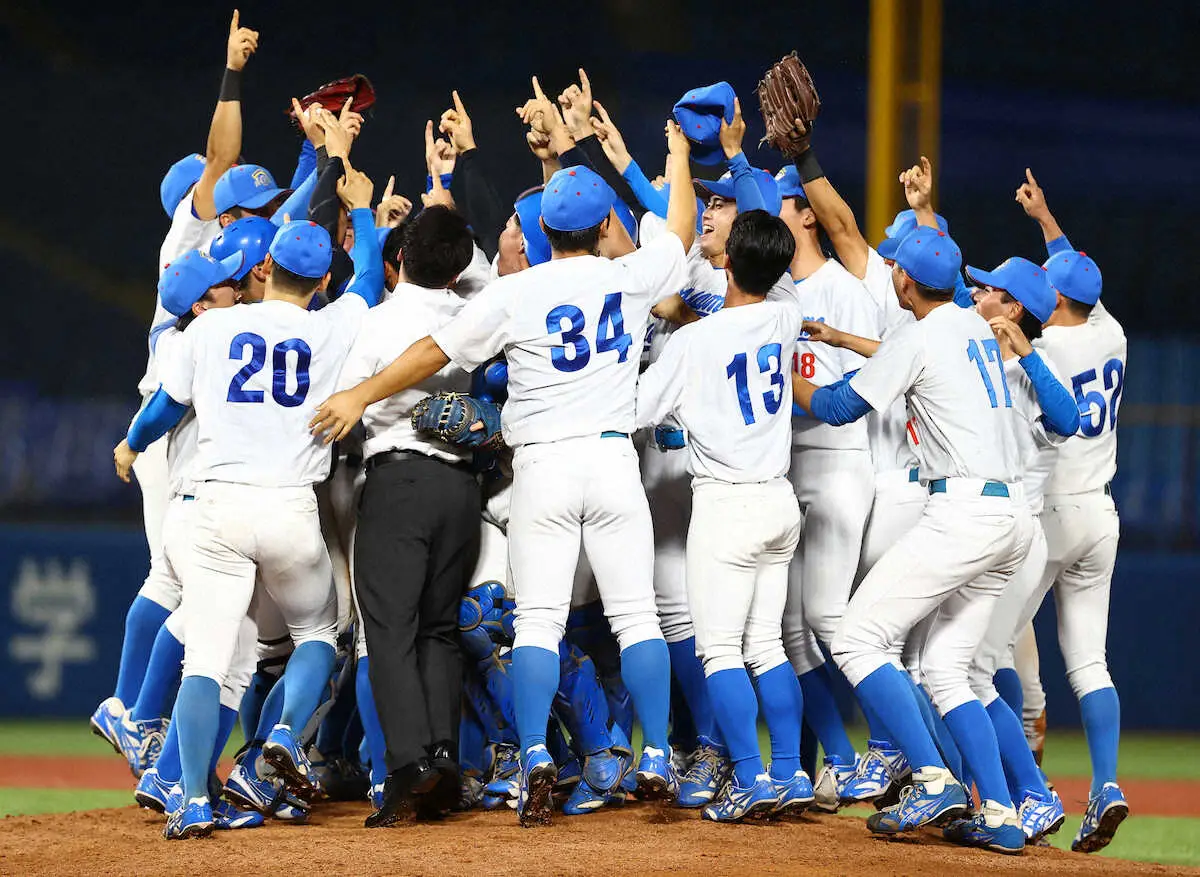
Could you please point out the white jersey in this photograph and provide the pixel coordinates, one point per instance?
(186, 233)
(1037, 447)
(1092, 357)
(831, 295)
(389, 329)
(570, 329)
(948, 366)
(255, 374)
(888, 433)
(726, 380)
(183, 437)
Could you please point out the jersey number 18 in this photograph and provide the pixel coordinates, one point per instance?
(279, 369)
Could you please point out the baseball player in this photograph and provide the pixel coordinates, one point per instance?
(723, 379)
(566, 328)
(974, 533)
(257, 512)
(1080, 519)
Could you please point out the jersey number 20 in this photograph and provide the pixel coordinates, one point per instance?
(768, 363)
(610, 334)
(279, 369)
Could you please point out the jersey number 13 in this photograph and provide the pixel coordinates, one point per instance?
(280, 362)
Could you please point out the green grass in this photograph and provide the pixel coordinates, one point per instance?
(1143, 756)
(1169, 840)
(16, 802)
(66, 738)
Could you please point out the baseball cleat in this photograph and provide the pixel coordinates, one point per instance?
(537, 785)
(105, 720)
(1039, 816)
(923, 803)
(655, 778)
(376, 796)
(736, 803)
(993, 828)
(1105, 813)
(706, 772)
(227, 817)
(152, 792)
(283, 753)
(568, 775)
(877, 770)
(600, 782)
(266, 796)
(194, 819)
(793, 795)
(141, 742)
(831, 783)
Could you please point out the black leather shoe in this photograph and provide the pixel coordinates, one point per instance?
(400, 791)
(445, 794)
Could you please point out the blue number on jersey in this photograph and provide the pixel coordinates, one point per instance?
(1094, 410)
(279, 365)
(992, 346)
(737, 370)
(610, 334)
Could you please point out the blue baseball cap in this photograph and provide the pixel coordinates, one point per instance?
(247, 185)
(184, 281)
(906, 221)
(576, 198)
(788, 181)
(181, 176)
(888, 246)
(529, 210)
(304, 248)
(1024, 281)
(699, 114)
(1076, 275)
(930, 257)
(250, 235)
(723, 188)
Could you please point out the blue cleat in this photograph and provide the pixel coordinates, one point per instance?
(1039, 816)
(923, 803)
(830, 787)
(1105, 813)
(794, 795)
(736, 803)
(655, 778)
(706, 772)
(152, 792)
(141, 742)
(534, 803)
(264, 795)
(376, 796)
(284, 753)
(194, 819)
(877, 771)
(600, 783)
(227, 817)
(993, 828)
(105, 720)
(568, 776)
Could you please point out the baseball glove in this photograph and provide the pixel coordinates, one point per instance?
(451, 416)
(332, 96)
(790, 104)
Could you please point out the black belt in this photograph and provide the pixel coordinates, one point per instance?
(383, 457)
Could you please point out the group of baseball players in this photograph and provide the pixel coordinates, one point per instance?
(630, 450)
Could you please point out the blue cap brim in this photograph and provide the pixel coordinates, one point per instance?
(705, 189)
(986, 278)
(887, 248)
(231, 265)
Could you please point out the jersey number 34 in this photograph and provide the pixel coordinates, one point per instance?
(279, 369)
(610, 334)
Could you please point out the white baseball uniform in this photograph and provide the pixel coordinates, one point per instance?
(975, 530)
(725, 378)
(253, 374)
(570, 330)
(1079, 517)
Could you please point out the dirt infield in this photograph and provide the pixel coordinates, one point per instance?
(637, 839)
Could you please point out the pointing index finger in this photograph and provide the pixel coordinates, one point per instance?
(387, 192)
(1029, 176)
(233, 25)
(584, 84)
(537, 90)
(458, 104)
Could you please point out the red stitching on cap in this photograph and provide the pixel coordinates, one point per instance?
(570, 173)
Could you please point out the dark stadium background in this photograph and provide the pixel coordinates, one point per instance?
(1100, 99)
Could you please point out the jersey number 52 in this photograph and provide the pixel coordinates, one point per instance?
(1095, 412)
(610, 334)
(279, 369)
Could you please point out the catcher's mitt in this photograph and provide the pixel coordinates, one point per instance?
(332, 96)
(450, 416)
(790, 104)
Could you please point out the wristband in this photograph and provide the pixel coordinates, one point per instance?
(808, 167)
(231, 85)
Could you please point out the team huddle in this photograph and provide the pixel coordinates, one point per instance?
(442, 501)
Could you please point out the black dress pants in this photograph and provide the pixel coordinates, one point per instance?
(414, 551)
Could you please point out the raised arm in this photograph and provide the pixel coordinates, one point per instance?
(826, 334)
(355, 190)
(681, 206)
(477, 196)
(1033, 200)
(834, 214)
(745, 189)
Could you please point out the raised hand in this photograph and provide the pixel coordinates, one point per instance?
(307, 120)
(576, 103)
(355, 189)
(392, 209)
(677, 143)
(351, 120)
(918, 185)
(539, 145)
(539, 112)
(439, 156)
(1031, 197)
(456, 124)
(732, 133)
(243, 43)
(610, 138)
(337, 138)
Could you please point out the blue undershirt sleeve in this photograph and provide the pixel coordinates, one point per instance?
(838, 404)
(1059, 245)
(154, 420)
(296, 205)
(648, 196)
(305, 165)
(745, 189)
(1060, 414)
(367, 257)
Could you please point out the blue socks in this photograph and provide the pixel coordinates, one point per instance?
(252, 702)
(688, 670)
(168, 767)
(823, 714)
(372, 730)
(890, 695)
(142, 622)
(736, 710)
(876, 728)
(535, 682)
(1101, 711)
(976, 739)
(197, 712)
(1008, 684)
(1020, 768)
(307, 675)
(162, 677)
(939, 732)
(646, 671)
(224, 729)
(783, 708)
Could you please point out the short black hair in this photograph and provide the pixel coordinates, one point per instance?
(1078, 308)
(931, 292)
(393, 243)
(291, 282)
(436, 247)
(760, 249)
(585, 240)
(1030, 325)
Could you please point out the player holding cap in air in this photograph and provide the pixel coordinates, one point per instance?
(567, 328)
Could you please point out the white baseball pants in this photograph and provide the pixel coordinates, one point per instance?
(669, 492)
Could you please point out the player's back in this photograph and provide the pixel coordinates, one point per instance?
(257, 373)
(1091, 357)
